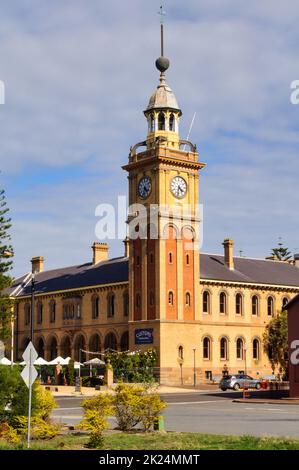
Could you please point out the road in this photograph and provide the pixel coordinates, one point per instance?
(213, 413)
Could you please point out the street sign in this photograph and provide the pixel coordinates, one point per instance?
(26, 355)
(29, 375)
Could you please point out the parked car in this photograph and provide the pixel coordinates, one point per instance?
(238, 381)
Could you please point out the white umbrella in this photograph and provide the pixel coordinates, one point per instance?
(95, 362)
(5, 362)
(41, 362)
(59, 360)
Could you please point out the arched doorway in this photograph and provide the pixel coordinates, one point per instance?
(66, 347)
(79, 348)
(52, 348)
(40, 348)
(110, 341)
(124, 341)
(95, 345)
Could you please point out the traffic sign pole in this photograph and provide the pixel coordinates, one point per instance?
(30, 399)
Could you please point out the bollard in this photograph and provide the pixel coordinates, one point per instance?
(159, 423)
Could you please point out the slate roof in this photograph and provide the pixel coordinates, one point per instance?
(212, 267)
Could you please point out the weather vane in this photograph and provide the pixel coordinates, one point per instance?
(162, 13)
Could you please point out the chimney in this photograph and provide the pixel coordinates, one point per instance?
(99, 252)
(229, 253)
(37, 263)
(296, 260)
(127, 246)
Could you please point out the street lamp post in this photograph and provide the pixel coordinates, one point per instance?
(194, 368)
(32, 306)
(12, 323)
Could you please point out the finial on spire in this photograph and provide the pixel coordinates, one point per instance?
(162, 63)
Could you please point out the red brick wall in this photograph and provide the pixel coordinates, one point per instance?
(171, 273)
(188, 272)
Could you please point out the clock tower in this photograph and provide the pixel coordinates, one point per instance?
(164, 221)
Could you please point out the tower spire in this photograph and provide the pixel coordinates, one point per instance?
(162, 63)
(162, 13)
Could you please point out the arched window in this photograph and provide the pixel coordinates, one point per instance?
(161, 121)
(285, 301)
(206, 302)
(181, 352)
(52, 307)
(240, 348)
(170, 297)
(206, 348)
(270, 306)
(111, 305)
(223, 349)
(126, 304)
(65, 347)
(172, 123)
(256, 349)
(80, 348)
(94, 346)
(138, 301)
(39, 313)
(95, 307)
(255, 305)
(170, 257)
(188, 299)
(152, 123)
(222, 303)
(27, 313)
(239, 304)
(187, 259)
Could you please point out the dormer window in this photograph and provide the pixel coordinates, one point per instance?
(161, 121)
(172, 123)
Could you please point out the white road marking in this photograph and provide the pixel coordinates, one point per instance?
(194, 402)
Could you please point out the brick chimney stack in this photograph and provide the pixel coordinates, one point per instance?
(229, 253)
(37, 263)
(99, 252)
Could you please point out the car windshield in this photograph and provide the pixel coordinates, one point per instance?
(227, 377)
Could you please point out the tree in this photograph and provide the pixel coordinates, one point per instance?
(276, 341)
(6, 252)
(281, 253)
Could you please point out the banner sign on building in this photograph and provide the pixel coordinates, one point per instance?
(144, 336)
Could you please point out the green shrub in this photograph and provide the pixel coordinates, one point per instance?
(40, 429)
(9, 434)
(14, 396)
(45, 403)
(95, 413)
(134, 404)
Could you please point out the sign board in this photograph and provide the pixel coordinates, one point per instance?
(144, 336)
(29, 373)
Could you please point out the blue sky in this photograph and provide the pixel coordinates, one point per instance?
(78, 76)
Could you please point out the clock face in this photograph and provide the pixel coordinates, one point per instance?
(144, 187)
(178, 187)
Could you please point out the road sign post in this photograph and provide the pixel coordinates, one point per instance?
(29, 374)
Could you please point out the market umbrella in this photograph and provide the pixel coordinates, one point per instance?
(5, 362)
(94, 362)
(59, 360)
(40, 361)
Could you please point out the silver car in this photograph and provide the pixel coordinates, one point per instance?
(238, 381)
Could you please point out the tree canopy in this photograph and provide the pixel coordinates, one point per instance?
(281, 253)
(6, 253)
(276, 341)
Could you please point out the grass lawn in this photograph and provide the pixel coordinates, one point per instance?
(162, 441)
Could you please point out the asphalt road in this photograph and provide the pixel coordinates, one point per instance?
(213, 413)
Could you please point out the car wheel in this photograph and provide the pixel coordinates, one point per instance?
(236, 387)
(223, 389)
(258, 386)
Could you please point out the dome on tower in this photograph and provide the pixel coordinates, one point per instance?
(163, 97)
